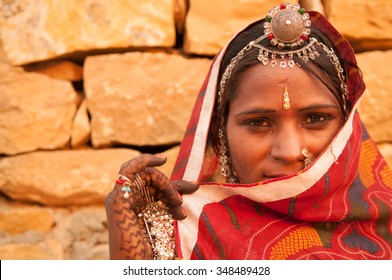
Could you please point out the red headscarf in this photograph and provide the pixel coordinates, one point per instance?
(338, 208)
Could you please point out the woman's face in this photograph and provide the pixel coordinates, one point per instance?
(266, 141)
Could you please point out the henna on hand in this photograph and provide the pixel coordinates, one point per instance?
(159, 186)
(127, 237)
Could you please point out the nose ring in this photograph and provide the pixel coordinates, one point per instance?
(305, 153)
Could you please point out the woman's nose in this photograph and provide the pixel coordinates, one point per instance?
(288, 145)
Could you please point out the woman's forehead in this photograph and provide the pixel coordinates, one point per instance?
(268, 84)
(266, 77)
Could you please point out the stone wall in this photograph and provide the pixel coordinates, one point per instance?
(88, 84)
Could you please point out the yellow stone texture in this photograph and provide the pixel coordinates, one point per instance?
(367, 24)
(210, 24)
(376, 104)
(146, 102)
(62, 178)
(36, 111)
(34, 30)
(81, 129)
(17, 220)
(45, 250)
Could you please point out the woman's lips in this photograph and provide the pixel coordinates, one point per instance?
(274, 176)
(278, 173)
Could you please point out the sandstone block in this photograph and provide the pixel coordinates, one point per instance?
(36, 111)
(62, 178)
(367, 24)
(41, 30)
(376, 104)
(17, 218)
(141, 98)
(210, 24)
(88, 230)
(45, 250)
(82, 232)
(81, 129)
(3, 57)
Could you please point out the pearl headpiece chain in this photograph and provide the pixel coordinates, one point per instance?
(287, 27)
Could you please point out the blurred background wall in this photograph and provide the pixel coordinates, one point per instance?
(88, 84)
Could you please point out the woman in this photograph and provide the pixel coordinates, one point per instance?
(285, 169)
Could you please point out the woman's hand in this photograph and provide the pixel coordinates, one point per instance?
(159, 186)
(127, 237)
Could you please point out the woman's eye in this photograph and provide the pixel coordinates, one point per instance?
(257, 123)
(315, 120)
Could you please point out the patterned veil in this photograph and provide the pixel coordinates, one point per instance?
(338, 208)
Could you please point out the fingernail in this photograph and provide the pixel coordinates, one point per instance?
(194, 183)
(160, 156)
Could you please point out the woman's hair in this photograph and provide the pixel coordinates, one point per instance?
(321, 68)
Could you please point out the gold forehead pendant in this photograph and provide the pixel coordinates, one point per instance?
(286, 99)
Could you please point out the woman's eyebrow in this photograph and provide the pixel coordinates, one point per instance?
(267, 110)
(256, 111)
(318, 106)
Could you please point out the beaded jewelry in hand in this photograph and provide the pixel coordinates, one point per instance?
(160, 230)
(159, 223)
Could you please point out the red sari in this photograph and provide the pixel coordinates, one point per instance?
(340, 207)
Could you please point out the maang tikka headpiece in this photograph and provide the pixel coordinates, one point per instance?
(287, 28)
